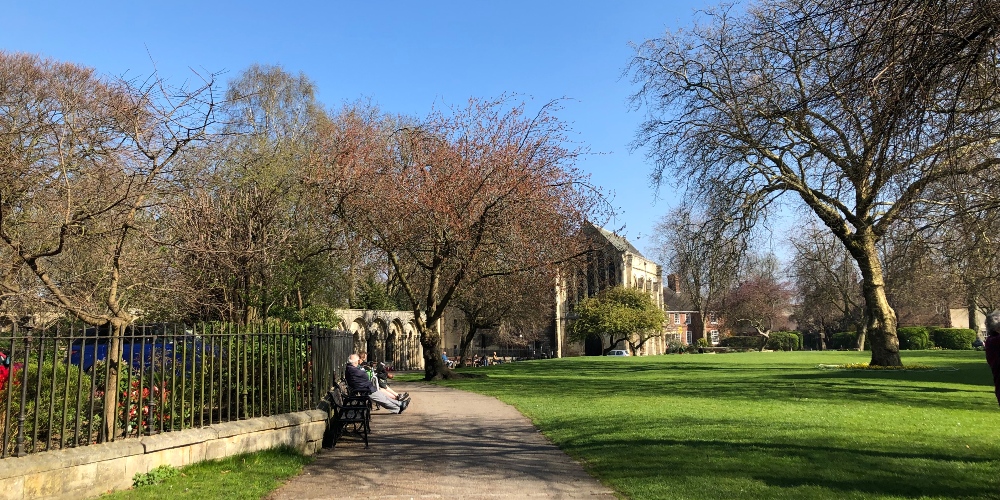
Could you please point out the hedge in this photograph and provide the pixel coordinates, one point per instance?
(785, 341)
(913, 338)
(959, 339)
(745, 342)
(847, 340)
(844, 340)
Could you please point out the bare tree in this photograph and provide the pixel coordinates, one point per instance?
(827, 283)
(855, 108)
(918, 282)
(760, 299)
(84, 161)
(964, 227)
(704, 253)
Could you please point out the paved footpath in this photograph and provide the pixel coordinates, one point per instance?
(448, 444)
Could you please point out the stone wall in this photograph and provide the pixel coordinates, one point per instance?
(92, 470)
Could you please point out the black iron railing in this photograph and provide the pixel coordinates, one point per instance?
(61, 388)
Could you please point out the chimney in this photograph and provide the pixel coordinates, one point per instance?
(672, 283)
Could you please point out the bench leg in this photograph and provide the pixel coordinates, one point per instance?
(330, 435)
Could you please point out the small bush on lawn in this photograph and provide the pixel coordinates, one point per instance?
(913, 338)
(784, 341)
(959, 339)
(742, 342)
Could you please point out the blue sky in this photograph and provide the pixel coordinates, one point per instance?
(405, 56)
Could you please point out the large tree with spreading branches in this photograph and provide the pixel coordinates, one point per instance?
(86, 162)
(856, 108)
(454, 200)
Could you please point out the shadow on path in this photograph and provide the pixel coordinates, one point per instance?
(447, 444)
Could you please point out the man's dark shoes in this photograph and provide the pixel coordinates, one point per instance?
(403, 405)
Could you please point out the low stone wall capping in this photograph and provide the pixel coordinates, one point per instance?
(92, 470)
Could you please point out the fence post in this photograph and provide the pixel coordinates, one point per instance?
(311, 375)
(20, 451)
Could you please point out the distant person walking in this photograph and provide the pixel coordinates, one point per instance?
(993, 349)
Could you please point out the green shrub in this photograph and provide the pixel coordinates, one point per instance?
(702, 342)
(46, 412)
(154, 476)
(959, 339)
(913, 338)
(844, 340)
(742, 342)
(847, 340)
(675, 347)
(784, 341)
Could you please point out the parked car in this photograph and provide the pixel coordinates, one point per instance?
(617, 352)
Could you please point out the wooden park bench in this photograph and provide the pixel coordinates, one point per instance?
(348, 413)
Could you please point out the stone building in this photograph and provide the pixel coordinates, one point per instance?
(611, 261)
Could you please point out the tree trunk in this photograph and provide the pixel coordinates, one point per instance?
(879, 315)
(862, 329)
(634, 347)
(463, 349)
(114, 360)
(613, 344)
(430, 339)
(973, 307)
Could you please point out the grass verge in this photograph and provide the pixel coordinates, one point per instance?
(249, 476)
(766, 425)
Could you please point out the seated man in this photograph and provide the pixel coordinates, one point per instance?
(378, 381)
(357, 380)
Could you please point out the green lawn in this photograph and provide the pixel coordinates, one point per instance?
(249, 476)
(766, 425)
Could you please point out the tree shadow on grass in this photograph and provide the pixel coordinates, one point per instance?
(825, 470)
(964, 384)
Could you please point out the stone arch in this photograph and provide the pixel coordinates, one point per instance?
(359, 330)
(393, 353)
(593, 346)
(414, 348)
(371, 342)
(376, 348)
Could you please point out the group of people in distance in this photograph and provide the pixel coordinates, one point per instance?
(477, 360)
(362, 376)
